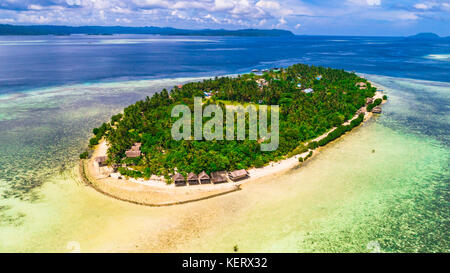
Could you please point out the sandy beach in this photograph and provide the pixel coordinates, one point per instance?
(150, 192)
(156, 192)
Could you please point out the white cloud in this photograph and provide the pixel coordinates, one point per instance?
(365, 2)
(36, 19)
(281, 22)
(7, 21)
(373, 2)
(121, 10)
(190, 5)
(123, 20)
(430, 5)
(102, 15)
(167, 12)
(212, 18)
(268, 5)
(223, 5)
(150, 4)
(421, 6)
(408, 16)
(394, 15)
(241, 7)
(287, 14)
(446, 6)
(34, 7)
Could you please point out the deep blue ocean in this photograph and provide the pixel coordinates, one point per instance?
(30, 62)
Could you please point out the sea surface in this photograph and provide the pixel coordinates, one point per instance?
(384, 187)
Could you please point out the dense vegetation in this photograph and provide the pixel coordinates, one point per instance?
(303, 116)
(84, 155)
(374, 104)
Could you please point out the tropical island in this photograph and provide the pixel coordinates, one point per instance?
(316, 106)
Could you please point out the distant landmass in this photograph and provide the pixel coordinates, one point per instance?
(110, 30)
(425, 36)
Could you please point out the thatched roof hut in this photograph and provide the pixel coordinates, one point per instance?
(135, 150)
(262, 82)
(238, 175)
(132, 153)
(136, 146)
(204, 178)
(178, 179)
(376, 110)
(101, 160)
(361, 85)
(192, 179)
(362, 110)
(219, 177)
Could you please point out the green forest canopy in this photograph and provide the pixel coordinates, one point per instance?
(303, 116)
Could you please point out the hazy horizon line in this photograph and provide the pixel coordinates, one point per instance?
(206, 29)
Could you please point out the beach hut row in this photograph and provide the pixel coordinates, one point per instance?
(259, 70)
(204, 178)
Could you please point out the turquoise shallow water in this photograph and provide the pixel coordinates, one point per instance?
(384, 187)
(347, 199)
(43, 131)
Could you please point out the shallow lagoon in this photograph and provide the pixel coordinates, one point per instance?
(54, 90)
(385, 184)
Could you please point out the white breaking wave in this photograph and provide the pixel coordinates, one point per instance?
(102, 42)
(439, 57)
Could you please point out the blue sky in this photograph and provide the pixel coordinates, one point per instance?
(333, 17)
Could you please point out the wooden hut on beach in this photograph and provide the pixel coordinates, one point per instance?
(100, 161)
(192, 179)
(204, 178)
(132, 154)
(136, 146)
(376, 110)
(362, 110)
(219, 177)
(135, 150)
(238, 175)
(361, 85)
(179, 180)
